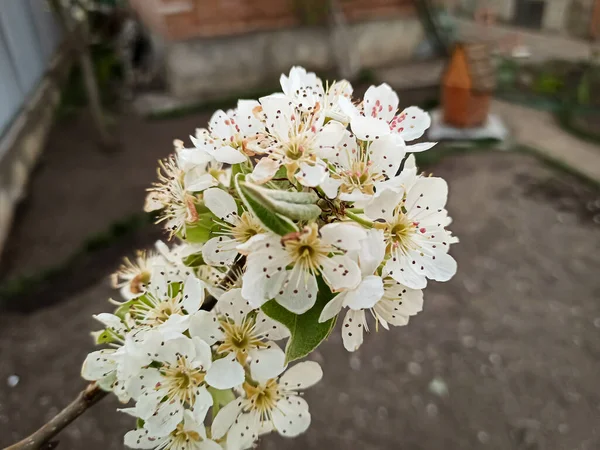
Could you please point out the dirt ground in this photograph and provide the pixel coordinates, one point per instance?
(504, 356)
(77, 189)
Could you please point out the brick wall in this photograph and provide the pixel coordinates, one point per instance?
(185, 19)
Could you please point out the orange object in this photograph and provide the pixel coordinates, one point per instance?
(467, 86)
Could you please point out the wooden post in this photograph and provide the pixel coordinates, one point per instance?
(80, 40)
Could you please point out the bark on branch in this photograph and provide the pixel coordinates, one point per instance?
(42, 437)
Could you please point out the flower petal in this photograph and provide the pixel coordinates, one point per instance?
(193, 294)
(411, 123)
(233, 306)
(387, 155)
(301, 376)
(383, 204)
(267, 363)
(299, 291)
(269, 328)
(346, 236)
(225, 418)
(330, 186)
(332, 308)
(380, 102)
(225, 373)
(142, 439)
(366, 295)
(264, 170)
(289, 419)
(98, 365)
(278, 113)
(352, 329)
(204, 324)
(202, 404)
(340, 272)
(165, 420)
(221, 204)
(369, 128)
(219, 251)
(311, 175)
(243, 432)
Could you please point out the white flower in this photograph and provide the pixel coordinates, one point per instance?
(295, 139)
(388, 301)
(113, 367)
(132, 277)
(225, 138)
(361, 170)
(413, 219)
(242, 333)
(222, 250)
(376, 117)
(286, 268)
(304, 88)
(166, 310)
(189, 435)
(270, 403)
(179, 383)
(170, 195)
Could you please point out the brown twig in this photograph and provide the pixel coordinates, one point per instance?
(86, 399)
(229, 279)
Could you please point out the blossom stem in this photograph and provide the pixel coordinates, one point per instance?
(358, 219)
(91, 395)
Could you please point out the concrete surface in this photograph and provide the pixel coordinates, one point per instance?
(540, 131)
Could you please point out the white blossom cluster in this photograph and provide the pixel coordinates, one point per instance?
(287, 210)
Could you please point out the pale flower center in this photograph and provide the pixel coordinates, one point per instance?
(152, 312)
(181, 439)
(181, 381)
(361, 177)
(136, 286)
(245, 228)
(306, 249)
(263, 397)
(400, 232)
(239, 338)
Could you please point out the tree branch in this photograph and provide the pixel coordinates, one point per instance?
(41, 438)
(230, 278)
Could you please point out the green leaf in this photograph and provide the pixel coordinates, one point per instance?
(300, 198)
(293, 205)
(124, 308)
(264, 212)
(194, 260)
(305, 330)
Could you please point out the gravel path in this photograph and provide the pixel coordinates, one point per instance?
(505, 356)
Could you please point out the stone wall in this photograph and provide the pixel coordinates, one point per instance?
(221, 48)
(207, 68)
(186, 19)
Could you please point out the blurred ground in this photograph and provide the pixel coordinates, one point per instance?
(505, 356)
(78, 189)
